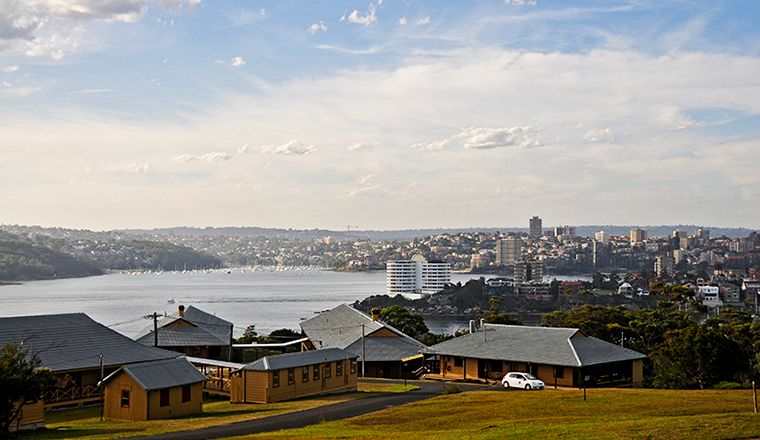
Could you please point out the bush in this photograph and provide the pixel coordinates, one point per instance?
(451, 389)
(727, 385)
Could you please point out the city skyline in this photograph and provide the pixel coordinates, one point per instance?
(380, 115)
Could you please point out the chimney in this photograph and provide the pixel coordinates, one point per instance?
(181, 309)
(375, 314)
(472, 326)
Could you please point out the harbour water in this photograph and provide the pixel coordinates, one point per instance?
(267, 299)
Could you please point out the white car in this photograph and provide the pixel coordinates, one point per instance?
(522, 380)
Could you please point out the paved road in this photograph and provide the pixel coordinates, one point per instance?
(337, 411)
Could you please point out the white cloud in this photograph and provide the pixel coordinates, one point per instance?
(486, 138)
(242, 149)
(247, 17)
(177, 6)
(365, 179)
(292, 147)
(402, 21)
(374, 190)
(520, 2)
(317, 27)
(237, 61)
(133, 168)
(9, 69)
(367, 18)
(215, 156)
(360, 146)
(674, 119)
(424, 21)
(600, 135)
(431, 146)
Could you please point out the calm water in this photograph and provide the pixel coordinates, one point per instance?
(270, 300)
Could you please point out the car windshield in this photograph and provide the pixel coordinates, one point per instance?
(529, 376)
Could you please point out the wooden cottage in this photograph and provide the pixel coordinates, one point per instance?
(32, 416)
(557, 356)
(292, 375)
(154, 390)
(192, 332)
(70, 345)
(385, 350)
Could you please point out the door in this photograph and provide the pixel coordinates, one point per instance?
(482, 369)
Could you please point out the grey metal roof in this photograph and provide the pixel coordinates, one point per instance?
(341, 328)
(381, 348)
(300, 359)
(161, 374)
(540, 345)
(73, 341)
(205, 329)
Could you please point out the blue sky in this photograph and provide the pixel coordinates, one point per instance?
(390, 114)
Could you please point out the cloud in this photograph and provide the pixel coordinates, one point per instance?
(242, 149)
(367, 18)
(133, 168)
(9, 69)
(485, 138)
(402, 21)
(216, 156)
(294, 147)
(177, 6)
(360, 146)
(431, 146)
(247, 17)
(520, 2)
(674, 119)
(424, 21)
(236, 62)
(365, 179)
(374, 190)
(600, 135)
(317, 27)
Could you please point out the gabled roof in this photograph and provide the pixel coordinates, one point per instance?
(299, 359)
(341, 327)
(73, 341)
(540, 345)
(161, 374)
(199, 329)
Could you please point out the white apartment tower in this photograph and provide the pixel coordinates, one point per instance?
(416, 276)
(508, 251)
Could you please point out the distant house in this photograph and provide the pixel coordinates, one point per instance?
(70, 345)
(562, 356)
(292, 375)
(384, 347)
(32, 416)
(192, 332)
(154, 390)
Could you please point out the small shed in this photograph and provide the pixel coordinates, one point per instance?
(32, 416)
(292, 375)
(154, 390)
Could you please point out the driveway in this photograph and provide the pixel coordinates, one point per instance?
(308, 417)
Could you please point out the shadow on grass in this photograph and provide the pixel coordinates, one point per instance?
(62, 432)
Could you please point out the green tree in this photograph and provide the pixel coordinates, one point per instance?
(249, 336)
(494, 315)
(21, 380)
(404, 320)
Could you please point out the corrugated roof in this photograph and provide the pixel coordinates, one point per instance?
(300, 359)
(73, 341)
(205, 329)
(341, 328)
(381, 348)
(540, 345)
(161, 374)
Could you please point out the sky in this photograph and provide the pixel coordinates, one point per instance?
(381, 115)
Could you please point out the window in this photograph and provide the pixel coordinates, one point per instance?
(187, 391)
(339, 368)
(305, 374)
(164, 401)
(353, 366)
(328, 370)
(559, 372)
(275, 378)
(316, 372)
(496, 366)
(458, 361)
(125, 398)
(291, 376)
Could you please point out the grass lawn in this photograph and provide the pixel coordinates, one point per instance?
(608, 413)
(381, 387)
(84, 423)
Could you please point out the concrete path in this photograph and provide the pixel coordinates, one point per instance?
(308, 417)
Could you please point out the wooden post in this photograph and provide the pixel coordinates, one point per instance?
(363, 350)
(754, 394)
(103, 390)
(155, 329)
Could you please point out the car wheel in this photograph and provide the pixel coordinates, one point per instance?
(527, 387)
(506, 385)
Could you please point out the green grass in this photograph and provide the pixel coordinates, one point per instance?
(84, 423)
(381, 387)
(617, 414)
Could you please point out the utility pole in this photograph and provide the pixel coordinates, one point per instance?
(155, 329)
(102, 388)
(362, 350)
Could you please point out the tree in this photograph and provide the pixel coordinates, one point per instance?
(404, 320)
(495, 315)
(21, 380)
(249, 336)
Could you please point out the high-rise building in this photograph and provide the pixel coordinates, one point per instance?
(536, 227)
(508, 251)
(664, 265)
(416, 276)
(529, 272)
(600, 254)
(564, 232)
(602, 237)
(638, 235)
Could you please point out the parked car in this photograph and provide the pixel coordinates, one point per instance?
(522, 380)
